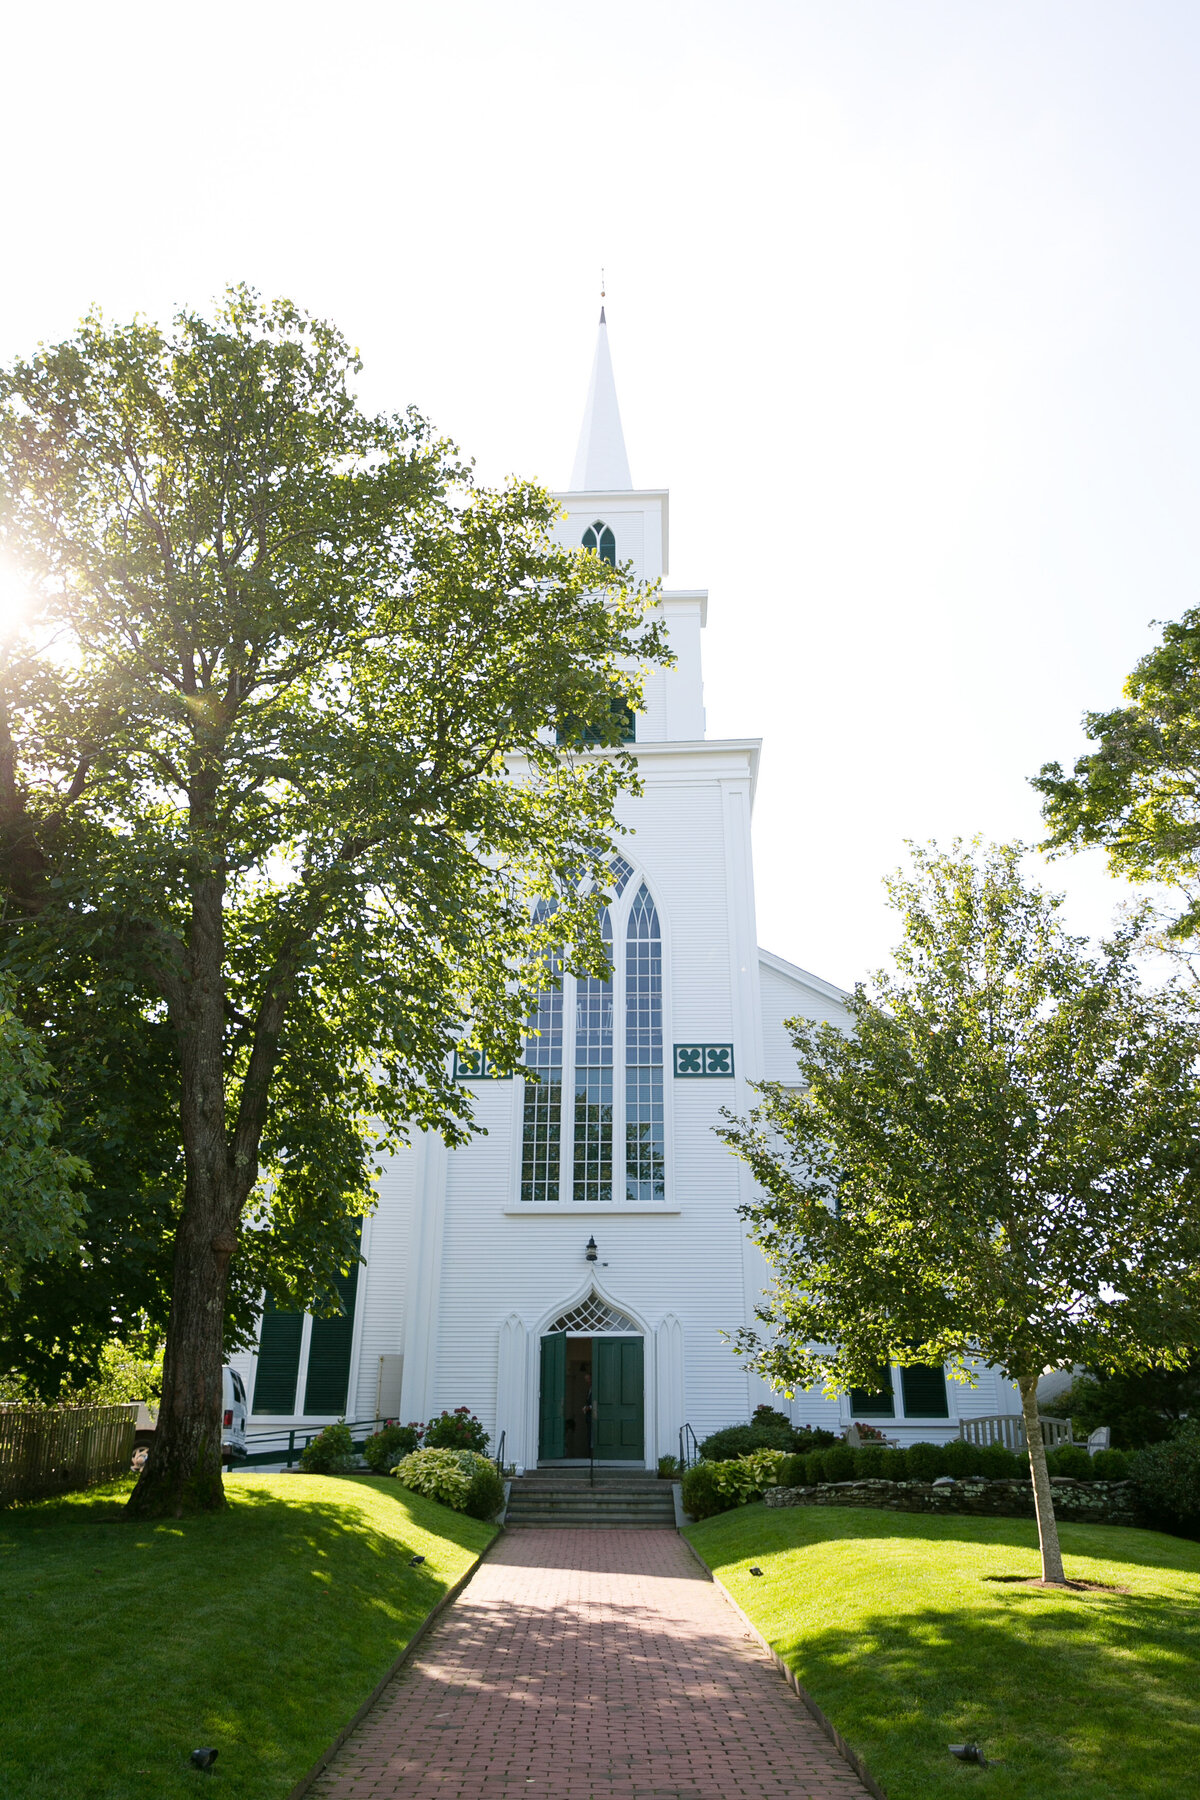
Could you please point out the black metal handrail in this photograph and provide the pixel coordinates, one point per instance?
(499, 1457)
(280, 1445)
(689, 1448)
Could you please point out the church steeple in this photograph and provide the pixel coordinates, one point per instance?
(601, 465)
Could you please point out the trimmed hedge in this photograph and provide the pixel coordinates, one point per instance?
(1167, 1477)
(331, 1452)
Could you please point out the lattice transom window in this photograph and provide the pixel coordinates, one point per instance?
(593, 1315)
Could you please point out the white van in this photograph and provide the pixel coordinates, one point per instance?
(233, 1415)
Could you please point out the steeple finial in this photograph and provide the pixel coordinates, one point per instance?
(601, 464)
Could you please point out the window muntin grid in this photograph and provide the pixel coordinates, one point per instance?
(541, 1129)
(644, 1129)
(592, 1172)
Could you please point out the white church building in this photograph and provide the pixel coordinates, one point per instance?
(590, 1243)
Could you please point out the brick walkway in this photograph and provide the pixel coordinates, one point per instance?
(587, 1664)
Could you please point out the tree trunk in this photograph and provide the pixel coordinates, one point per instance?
(183, 1470)
(182, 1473)
(1043, 1499)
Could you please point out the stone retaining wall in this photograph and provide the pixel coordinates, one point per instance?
(1094, 1502)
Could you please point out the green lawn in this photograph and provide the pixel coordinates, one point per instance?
(123, 1647)
(889, 1622)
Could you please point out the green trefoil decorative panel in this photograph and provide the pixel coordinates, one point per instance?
(704, 1060)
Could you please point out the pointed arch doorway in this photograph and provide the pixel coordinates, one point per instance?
(592, 1392)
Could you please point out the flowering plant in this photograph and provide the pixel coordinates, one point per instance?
(457, 1430)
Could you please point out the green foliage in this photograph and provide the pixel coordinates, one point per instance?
(385, 1447)
(1071, 1459)
(1110, 1465)
(40, 1210)
(461, 1479)
(701, 1495)
(1134, 795)
(331, 1452)
(999, 1463)
(668, 1466)
(767, 1430)
(1166, 1477)
(793, 1471)
(122, 1376)
(870, 1461)
(962, 1458)
(814, 1465)
(1006, 1134)
(1141, 1406)
(926, 1461)
(457, 1430)
(894, 1466)
(837, 1464)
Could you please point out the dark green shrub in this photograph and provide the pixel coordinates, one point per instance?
(794, 1472)
(812, 1437)
(837, 1464)
(999, 1463)
(813, 1466)
(457, 1430)
(1167, 1477)
(926, 1461)
(1110, 1465)
(668, 1467)
(869, 1461)
(384, 1448)
(1073, 1459)
(1139, 1409)
(331, 1452)
(731, 1440)
(485, 1496)
(894, 1465)
(772, 1418)
(701, 1496)
(962, 1458)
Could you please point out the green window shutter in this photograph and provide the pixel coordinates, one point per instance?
(875, 1403)
(278, 1360)
(924, 1389)
(329, 1352)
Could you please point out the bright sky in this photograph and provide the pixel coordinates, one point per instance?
(902, 303)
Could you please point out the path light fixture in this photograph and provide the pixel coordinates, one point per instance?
(969, 1753)
(591, 1253)
(756, 1571)
(203, 1759)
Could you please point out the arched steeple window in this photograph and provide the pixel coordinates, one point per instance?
(599, 537)
(644, 1133)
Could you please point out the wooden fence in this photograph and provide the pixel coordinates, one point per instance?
(57, 1449)
(1009, 1429)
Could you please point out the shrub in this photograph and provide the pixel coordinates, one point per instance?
(668, 1466)
(384, 1448)
(331, 1452)
(793, 1471)
(1167, 1476)
(701, 1495)
(1072, 1459)
(869, 1461)
(1000, 1463)
(457, 1430)
(962, 1458)
(837, 1464)
(895, 1465)
(812, 1437)
(462, 1479)
(771, 1417)
(926, 1461)
(1110, 1465)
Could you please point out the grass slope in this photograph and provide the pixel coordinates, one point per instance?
(888, 1621)
(261, 1630)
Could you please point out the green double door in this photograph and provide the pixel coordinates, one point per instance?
(618, 1400)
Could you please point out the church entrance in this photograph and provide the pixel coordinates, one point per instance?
(592, 1399)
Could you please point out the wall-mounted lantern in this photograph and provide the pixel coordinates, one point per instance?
(591, 1252)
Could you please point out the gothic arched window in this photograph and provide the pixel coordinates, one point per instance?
(644, 1134)
(592, 1178)
(541, 1141)
(599, 537)
(567, 1149)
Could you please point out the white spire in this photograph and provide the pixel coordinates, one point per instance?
(600, 461)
